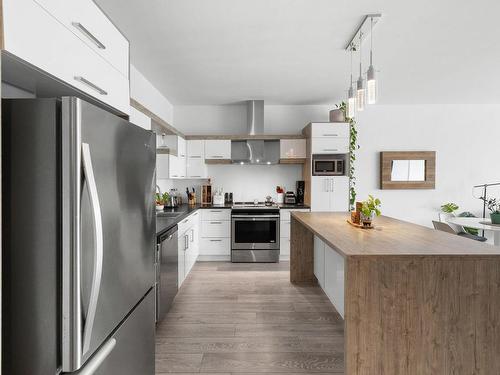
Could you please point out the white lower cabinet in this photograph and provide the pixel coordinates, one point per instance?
(319, 261)
(188, 244)
(330, 193)
(329, 270)
(215, 241)
(285, 231)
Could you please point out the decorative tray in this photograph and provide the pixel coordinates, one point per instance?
(360, 225)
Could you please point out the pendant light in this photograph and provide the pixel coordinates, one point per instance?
(351, 95)
(370, 75)
(360, 100)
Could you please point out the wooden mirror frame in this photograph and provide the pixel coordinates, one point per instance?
(386, 159)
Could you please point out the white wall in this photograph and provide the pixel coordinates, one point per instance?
(148, 95)
(249, 182)
(465, 138)
(231, 119)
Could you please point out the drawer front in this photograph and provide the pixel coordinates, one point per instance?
(183, 226)
(90, 24)
(215, 246)
(285, 213)
(216, 229)
(97, 78)
(330, 130)
(285, 229)
(214, 214)
(330, 145)
(285, 247)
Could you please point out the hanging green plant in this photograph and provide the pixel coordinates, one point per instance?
(353, 147)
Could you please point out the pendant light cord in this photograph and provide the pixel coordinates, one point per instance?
(371, 41)
(360, 54)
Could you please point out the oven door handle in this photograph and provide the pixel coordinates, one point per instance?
(252, 218)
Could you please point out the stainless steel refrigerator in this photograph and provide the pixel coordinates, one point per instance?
(79, 240)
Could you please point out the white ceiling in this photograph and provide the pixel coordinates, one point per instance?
(292, 51)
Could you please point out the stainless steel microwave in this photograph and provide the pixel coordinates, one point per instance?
(332, 165)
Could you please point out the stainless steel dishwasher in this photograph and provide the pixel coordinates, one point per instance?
(166, 272)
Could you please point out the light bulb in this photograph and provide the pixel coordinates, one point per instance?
(371, 86)
(351, 103)
(360, 100)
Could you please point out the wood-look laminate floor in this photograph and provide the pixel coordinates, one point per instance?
(249, 319)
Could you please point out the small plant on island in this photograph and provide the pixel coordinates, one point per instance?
(369, 209)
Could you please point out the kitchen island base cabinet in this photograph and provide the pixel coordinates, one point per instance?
(416, 301)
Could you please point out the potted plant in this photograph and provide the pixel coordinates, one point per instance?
(449, 208)
(369, 209)
(161, 200)
(493, 205)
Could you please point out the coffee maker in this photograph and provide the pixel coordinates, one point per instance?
(301, 187)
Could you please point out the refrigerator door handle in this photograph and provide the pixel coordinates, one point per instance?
(98, 246)
(96, 361)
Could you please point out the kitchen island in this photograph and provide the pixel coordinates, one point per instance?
(414, 300)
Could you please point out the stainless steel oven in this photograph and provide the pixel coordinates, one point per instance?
(255, 234)
(329, 165)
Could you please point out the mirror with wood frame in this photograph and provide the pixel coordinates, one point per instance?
(407, 170)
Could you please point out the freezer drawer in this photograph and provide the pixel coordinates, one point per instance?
(134, 352)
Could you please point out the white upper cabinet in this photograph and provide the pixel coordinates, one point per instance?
(330, 130)
(292, 149)
(217, 149)
(330, 138)
(330, 145)
(72, 41)
(196, 168)
(195, 149)
(181, 147)
(90, 24)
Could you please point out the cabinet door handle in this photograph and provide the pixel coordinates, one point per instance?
(216, 222)
(195, 176)
(185, 221)
(331, 185)
(215, 211)
(194, 157)
(330, 149)
(91, 85)
(88, 34)
(330, 135)
(216, 157)
(215, 240)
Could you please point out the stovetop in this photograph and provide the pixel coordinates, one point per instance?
(254, 205)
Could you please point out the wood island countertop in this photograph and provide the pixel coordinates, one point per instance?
(388, 237)
(415, 301)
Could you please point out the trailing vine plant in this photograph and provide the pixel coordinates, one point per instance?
(353, 147)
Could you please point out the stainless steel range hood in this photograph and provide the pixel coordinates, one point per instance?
(253, 151)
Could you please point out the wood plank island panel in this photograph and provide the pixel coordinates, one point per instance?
(428, 315)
